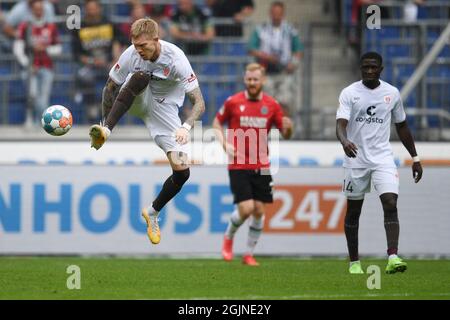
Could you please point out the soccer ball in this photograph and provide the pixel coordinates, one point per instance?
(56, 120)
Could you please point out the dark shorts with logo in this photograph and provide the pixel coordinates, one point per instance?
(251, 184)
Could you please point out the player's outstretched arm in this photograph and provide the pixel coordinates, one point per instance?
(198, 107)
(349, 147)
(408, 141)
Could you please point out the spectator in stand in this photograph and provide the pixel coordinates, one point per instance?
(334, 7)
(137, 12)
(62, 5)
(276, 46)
(21, 12)
(37, 43)
(238, 10)
(191, 28)
(96, 47)
(3, 41)
(411, 10)
(359, 19)
(158, 13)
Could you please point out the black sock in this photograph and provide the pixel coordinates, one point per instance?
(171, 187)
(392, 227)
(391, 223)
(351, 227)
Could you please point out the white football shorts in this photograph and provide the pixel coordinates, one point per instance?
(168, 144)
(357, 182)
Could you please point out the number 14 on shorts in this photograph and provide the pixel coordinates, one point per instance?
(347, 186)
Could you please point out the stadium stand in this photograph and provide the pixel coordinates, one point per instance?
(404, 45)
(219, 71)
(326, 68)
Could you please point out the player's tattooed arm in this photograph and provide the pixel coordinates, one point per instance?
(198, 105)
(109, 95)
(137, 83)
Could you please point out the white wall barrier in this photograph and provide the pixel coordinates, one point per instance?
(286, 153)
(96, 210)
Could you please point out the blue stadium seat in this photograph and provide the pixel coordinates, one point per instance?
(196, 67)
(433, 121)
(433, 103)
(222, 96)
(218, 48)
(65, 68)
(237, 49)
(66, 46)
(422, 13)
(5, 69)
(123, 9)
(398, 50)
(17, 89)
(77, 112)
(405, 70)
(445, 52)
(444, 71)
(388, 72)
(230, 69)
(432, 34)
(210, 68)
(411, 101)
(205, 92)
(388, 33)
(16, 113)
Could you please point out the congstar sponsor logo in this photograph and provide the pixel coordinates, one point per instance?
(371, 116)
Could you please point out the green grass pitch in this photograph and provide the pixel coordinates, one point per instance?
(160, 278)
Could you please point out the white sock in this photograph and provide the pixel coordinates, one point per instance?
(254, 232)
(107, 131)
(152, 211)
(233, 224)
(393, 256)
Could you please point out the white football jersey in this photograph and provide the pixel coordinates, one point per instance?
(369, 113)
(171, 77)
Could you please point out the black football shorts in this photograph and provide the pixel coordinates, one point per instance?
(251, 184)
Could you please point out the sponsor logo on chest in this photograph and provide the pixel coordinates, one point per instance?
(371, 116)
(253, 122)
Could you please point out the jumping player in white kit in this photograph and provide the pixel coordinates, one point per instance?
(363, 128)
(151, 80)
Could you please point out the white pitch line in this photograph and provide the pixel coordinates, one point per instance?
(312, 296)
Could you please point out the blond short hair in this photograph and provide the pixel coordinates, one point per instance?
(254, 67)
(145, 26)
